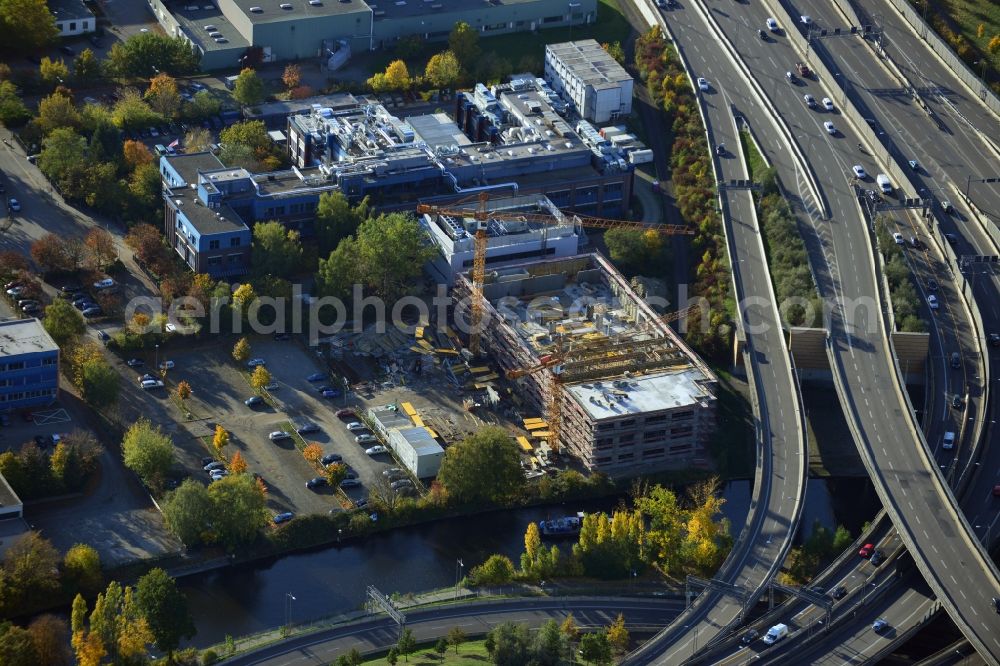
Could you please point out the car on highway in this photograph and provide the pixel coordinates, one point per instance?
(331, 458)
(772, 25)
(316, 482)
(914, 165)
(791, 77)
(702, 84)
(13, 204)
(283, 517)
(805, 19)
(828, 104)
(365, 438)
(956, 401)
(316, 377)
(932, 284)
(898, 239)
(762, 35)
(749, 637)
(995, 339)
(859, 171)
(932, 302)
(839, 592)
(996, 604)
(376, 450)
(830, 128)
(254, 362)
(876, 558)
(279, 435)
(810, 101)
(880, 625)
(952, 239)
(866, 550)
(946, 207)
(254, 401)
(106, 283)
(720, 149)
(948, 441)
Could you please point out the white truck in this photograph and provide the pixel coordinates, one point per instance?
(775, 634)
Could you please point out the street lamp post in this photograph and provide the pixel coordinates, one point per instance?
(157, 361)
(459, 566)
(289, 598)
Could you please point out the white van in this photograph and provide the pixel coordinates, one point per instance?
(884, 184)
(775, 634)
(948, 441)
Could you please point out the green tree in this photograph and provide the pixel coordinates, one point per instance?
(509, 644)
(67, 466)
(407, 643)
(163, 96)
(550, 645)
(496, 570)
(569, 628)
(392, 657)
(249, 88)
(118, 621)
(81, 568)
(276, 250)
(13, 112)
(241, 350)
(618, 636)
(86, 67)
(456, 637)
(443, 69)
(56, 111)
(30, 567)
(16, 646)
(100, 384)
(188, 512)
(203, 105)
(595, 648)
(63, 322)
(464, 43)
(441, 646)
(165, 609)
(336, 219)
(26, 25)
(667, 522)
(145, 54)
(53, 72)
(247, 144)
(148, 451)
(339, 271)
(131, 112)
(238, 510)
(485, 467)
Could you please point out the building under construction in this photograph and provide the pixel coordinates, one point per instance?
(620, 390)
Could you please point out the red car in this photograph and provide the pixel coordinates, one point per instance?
(866, 550)
(344, 413)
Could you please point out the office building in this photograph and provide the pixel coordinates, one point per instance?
(327, 31)
(586, 74)
(636, 400)
(72, 17)
(29, 365)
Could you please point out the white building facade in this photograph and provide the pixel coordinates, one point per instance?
(587, 75)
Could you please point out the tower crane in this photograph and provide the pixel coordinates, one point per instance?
(482, 215)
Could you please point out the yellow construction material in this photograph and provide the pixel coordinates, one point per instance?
(431, 431)
(534, 419)
(426, 345)
(488, 378)
(419, 350)
(479, 370)
(525, 444)
(408, 409)
(446, 352)
(541, 425)
(417, 421)
(418, 333)
(541, 434)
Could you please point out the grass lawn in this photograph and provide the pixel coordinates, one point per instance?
(755, 162)
(969, 15)
(469, 654)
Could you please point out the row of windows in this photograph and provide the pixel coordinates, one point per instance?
(235, 241)
(14, 397)
(231, 259)
(646, 455)
(293, 209)
(21, 365)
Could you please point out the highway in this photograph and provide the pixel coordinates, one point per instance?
(475, 619)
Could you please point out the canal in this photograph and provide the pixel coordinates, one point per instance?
(250, 598)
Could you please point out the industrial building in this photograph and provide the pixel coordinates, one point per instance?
(509, 241)
(508, 140)
(330, 30)
(586, 74)
(29, 365)
(415, 446)
(629, 395)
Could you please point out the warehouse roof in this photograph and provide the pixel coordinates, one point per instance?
(590, 63)
(271, 11)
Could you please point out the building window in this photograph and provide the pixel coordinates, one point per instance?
(213, 245)
(626, 456)
(653, 435)
(602, 461)
(606, 426)
(215, 261)
(235, 258)
(234, 242)
(653, 453)
(49, 361)
(657, 419)
(681, 431)
(603, 443)
(552, 19)
(678, 416)
(627, 439)
(72, 25)
(16, 365)
(627, 423)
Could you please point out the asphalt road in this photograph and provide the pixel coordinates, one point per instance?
(474, 619)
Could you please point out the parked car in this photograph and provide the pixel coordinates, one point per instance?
(365, 438)
(331, 458)
(167, 365)
(283, 517)
(135, 363)
(70, 288)
(402, 483)
(13, 204)
(32, 309)
(279, 435)
(330, 394)
(391, 471)
(149, 384)
(94, 311)
(316, 482)
(345, 413)
(354, 426)
(84, 304)
(307, 428)
(254, 401)
(254, 362)
(273, 386)
(215, 464)
(15, 291)
(106, 283)
(350, 483)
(376, 450)
(316, 377)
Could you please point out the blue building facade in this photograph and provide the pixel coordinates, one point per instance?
(29, 365)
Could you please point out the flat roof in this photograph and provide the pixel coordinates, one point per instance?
(590, 63)
(24, 336)
(420, 441)
(438, 129)
(207, 221)
(188, 165)
(637, 395)
(68, 10)
(194, 20)
(393, 9)
(271, 10)
(336, 101)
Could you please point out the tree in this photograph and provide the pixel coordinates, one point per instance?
(220, 440)
(48, 635)
(243, 297)
(143, 55)
(550, 645)
(26, 25)
(147, 451)
(339, 271)
(90, 651)
(994, 46)
(136, 153)
(163, 96)
(397, 75)
(456, 637)
(146, 241)
(238, 510)
(63, 322)
(443, 69)
(276, 250)
(16, 646)
(13, 112)
(335, 474)
(616, 51)
(165, 609)
(197, 140)
(441, 646)
(188, 512)
(509, 644)
(241, 350)
(30, 567)
(131, 112)
(336, 219)
(496, 570)
(292, 76)
(245, 140)
(569, 628)
(618, 636)
(119, 623)
(101, 245)
(100, 383)
(249, 88)
(81, 568)
(407, 643)
(203, 105)
(464, 43)
(393, 656)
(86, 67)
(57, 111)
(595, 648)
(237, 465)
(485, 467)
(53, 72)
(667, 522)
(183, 390)
(312, 452)
(260, 377)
